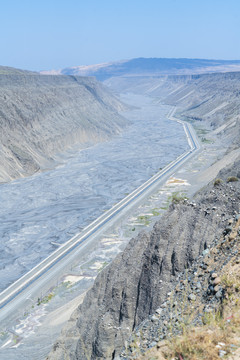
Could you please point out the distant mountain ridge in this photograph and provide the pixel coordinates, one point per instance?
(149, 67)
(7, 70)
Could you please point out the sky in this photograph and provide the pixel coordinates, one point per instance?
(54, 34)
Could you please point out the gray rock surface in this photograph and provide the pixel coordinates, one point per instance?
(188, 303)
(41, 116)
(210, 101)
(136, 283)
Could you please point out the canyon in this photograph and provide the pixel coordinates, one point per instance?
(42, 116)
(137, 282)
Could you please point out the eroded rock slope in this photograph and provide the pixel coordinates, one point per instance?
(41, 116)
(210, 100)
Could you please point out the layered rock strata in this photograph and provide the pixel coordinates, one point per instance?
(210, 101)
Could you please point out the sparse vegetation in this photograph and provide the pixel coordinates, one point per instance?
(206, 141)
(217, 182)
(103, 266)
(66, 284)
(231, 282)
(232, 179)
(144, 219)
(220, 332)
(202, 344)
(3, 334)
(45, 299)
(15, 339)
(201, 132)
(164, 207)
(177, 197)
(155, 212)
(219, 337)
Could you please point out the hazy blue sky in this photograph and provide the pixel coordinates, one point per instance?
(49, 34)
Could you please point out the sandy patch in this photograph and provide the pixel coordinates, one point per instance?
(112, 235)
(74, 278)
(174, 181)
(109, 241)
(62, 314)
(97, 265)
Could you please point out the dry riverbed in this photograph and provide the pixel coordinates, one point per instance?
(40, 324)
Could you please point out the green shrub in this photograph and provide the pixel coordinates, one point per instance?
(232, 179)
(178, 197)
(217, 182)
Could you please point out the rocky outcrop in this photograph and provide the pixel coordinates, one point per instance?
(203, 291)
(137, 281)
(41, 116)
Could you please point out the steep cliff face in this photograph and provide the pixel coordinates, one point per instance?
(137, 281)
(41, 116)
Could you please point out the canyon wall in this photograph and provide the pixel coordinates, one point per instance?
(43, 115)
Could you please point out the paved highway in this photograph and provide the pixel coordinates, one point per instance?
(34, 280)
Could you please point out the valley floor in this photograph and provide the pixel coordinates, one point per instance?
(37, 328)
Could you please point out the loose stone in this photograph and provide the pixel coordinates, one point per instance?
(228, 229)
(152, 344)
(159, 311)
(205, 252)
(219, 294)
(154, 318)
(198, 285)
(192, 297)
(222, 353)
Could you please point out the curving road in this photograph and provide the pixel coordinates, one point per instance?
(31, 283)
